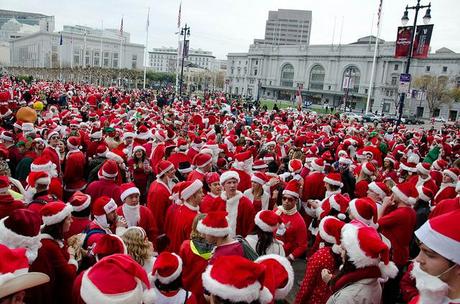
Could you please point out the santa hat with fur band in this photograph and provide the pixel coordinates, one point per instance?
(229, 175)
(190, 188)
(244, 285)
(267, 220)
(364, 210)
(128, 189)
(279, 275)
(406, 192)
(380, 188)
(452, 173)
(163, 167)
(79, 201)
(292, 188)
(167, 268)
(425, 193)
(423, 168)
(128, 282)
(260, 178)
(215, 223)
(334, 179)
(55, 212)
(365, 247)
(295, 165)
(330, 229)
(317, 164)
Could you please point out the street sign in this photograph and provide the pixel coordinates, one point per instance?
(404, 83)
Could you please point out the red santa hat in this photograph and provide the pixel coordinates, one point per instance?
(127, 189)
(364, 210)
(73, 143)
(128, 282)
(190, 188)
(243, 156)
(6, 136)
(229, 175)
(55, 212)
(333, 179)
(215, 223)
(107, 245)
(22, 229)
(365, 247)
(279, 275)
(391, 159)
(143, 133)
(212, 177)
(103, 205)
(259, 164)
(408, 166)
(292, 188)
(79, 201)
(339, 203)
(160, 135)
(202, 159)
(368, 168)
(260, 178)
(379, 188)
(138, 148)
(452, 173)
(14, 275)
(4, 184)
(330, 229)
(163, 167)
(244, 285)
(108, 170)
(317, 164)
(423, 168)
(267, 220)
(440, 164)
(38, 178)
(438, 234)
(425, 193)
(167, 268)
(295, 165)
(406, 192)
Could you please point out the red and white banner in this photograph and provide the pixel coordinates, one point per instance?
(403, 41)
(422, 41)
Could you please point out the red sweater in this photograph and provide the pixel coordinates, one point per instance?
(295, 237)
(104, 187)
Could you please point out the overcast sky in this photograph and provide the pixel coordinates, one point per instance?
(224, 26)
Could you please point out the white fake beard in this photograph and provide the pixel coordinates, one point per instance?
(431, 288)
(132, 214)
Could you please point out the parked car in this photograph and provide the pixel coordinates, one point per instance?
(369, 117)
(413, 120)
(351, 115)
(392, 119)
(440, 119)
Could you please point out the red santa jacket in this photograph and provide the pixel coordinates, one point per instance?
(191, 154)
(157, 154)
(177, 158)
(313, 186)
(146, 221)
(53, 155)
(196, 174)
(398, 226)
(56, 188)
(361, 188)
(211, 203)
(74, 173)
(8, 204)
(104, 187)
(240, 214)
(79, 224)
(445, 206)
(158, 202)
(430, 183)
(245, 180)
(446, 191)
(53, 260)
(295, 235)
(179, 224)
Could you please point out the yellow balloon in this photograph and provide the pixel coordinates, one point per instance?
(38, 106)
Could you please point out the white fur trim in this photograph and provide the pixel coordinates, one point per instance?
(92, 295)
(174, 275)
(208, 162)
(58, 217)
(84, 205)
(43, 181)
(262, 225)
(324, 235)
(410, 169)
(366, 171)
(107, 175)
(450, 173)
(128, 192)
(333, 203)
(441, 244)
(373, 186)
(422, 195)
(291, 193)
(137, 148)
(11, 239)
(228, 292)
(422, 169)
(229, 175)
(281, 293)
(219, 232)
(255, 179)
(186, 170)
(315, 167)
(389, 270)
(96, 135)
(354, 212)
(231, 207)
(110, 206)
(332, 182)
(408, 200)
(191, 190)
(160, 174)
(351, 244)
(261, 166)
(45, 167)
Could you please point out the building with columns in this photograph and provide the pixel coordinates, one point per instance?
(333, 74)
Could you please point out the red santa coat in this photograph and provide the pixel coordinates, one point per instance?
(177, 158)
(39, 200)
(74, 173)
(8, 204)
(157, 154)
(240, 214)
(313, 290)
(445, 206)
(313, 186)
(259, 204)
(53, 155)
(158, 202)
(445, 192)
(437, 176)
(429, 183)
(398, 226)
(209, 203)
(104, 187)
(79, 224)
(361, 188)
(191, 154)
(56, 188)
(146, 221)
(295, 236)
(245, 180)
(196, 174)
(193, 266)
(179, 225)
(52, 260)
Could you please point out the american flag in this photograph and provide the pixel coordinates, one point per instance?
(121, 26)
(178, 16)
(148, 21)
(379, 13)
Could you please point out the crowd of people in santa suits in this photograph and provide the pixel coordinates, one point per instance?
(116, 199)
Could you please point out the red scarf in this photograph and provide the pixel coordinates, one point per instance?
(355, 276)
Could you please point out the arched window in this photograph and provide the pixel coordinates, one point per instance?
(287, 75)
(351, 78)
(317, 74)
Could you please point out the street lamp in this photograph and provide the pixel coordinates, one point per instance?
(185, 31)
(404, 21)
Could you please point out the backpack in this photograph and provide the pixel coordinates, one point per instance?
(248, 252)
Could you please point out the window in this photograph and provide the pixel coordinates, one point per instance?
(444, 69)
(366, 91)
(427, 68)
(394, 80)
(351, 78)
(396, 67)
(255, 72)
(317, 75)
(287, 75)
(386, 108)
(232, 70)
(106, 59)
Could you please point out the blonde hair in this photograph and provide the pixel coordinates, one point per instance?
(137, 245)
(195, 235)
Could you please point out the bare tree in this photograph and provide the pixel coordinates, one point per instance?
(437, 90)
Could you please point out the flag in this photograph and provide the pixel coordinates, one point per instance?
(379, 13)
(121, 27)
(60, 41)
(422, 41)
(148, 21)
(403, 40)
(178, 17)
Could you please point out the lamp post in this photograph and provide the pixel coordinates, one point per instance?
(185, 31)
(404, 21)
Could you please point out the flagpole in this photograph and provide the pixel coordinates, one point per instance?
(60, 58)
(84, 49)
(178, 48)
(146, 50)
(102, 35)
(71, 50)
(121, 49)
(371, 82)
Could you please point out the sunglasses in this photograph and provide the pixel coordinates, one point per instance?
(54, 137)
